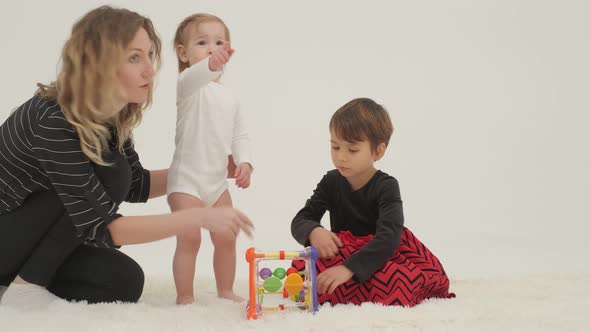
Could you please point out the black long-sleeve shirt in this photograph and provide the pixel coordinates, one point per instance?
(376, 208)
(40, 150)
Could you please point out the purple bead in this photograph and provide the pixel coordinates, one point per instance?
(265, 273)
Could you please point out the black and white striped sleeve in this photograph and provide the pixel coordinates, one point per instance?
(57, 146)
(139, 191)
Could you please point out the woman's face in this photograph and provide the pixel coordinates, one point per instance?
(137, 71)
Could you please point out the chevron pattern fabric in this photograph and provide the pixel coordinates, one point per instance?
(411, 275)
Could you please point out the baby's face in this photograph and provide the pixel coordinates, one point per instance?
(202, 41)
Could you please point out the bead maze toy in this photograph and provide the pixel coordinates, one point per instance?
(299, 288)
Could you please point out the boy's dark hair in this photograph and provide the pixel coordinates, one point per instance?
(362, 119)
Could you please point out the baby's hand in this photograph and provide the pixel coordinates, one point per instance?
(242, 175)
(231, 167)
(326, 242)
(219, 57)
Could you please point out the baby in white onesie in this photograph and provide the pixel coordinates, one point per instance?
(210, 138)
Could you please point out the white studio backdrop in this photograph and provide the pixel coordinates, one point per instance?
(489, 101)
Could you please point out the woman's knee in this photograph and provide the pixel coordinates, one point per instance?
(99, 275)
(130, 282)
(123, 282)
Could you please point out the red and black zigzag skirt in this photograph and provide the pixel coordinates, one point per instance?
(411, 275)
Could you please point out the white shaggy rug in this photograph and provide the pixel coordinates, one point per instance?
(535, 303)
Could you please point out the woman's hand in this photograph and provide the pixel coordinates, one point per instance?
(219, 220)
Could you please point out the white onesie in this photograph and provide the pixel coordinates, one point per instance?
(209, 127)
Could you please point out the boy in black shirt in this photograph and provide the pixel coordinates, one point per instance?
(368, 256)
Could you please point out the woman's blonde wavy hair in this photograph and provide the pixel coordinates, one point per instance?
(88, 87)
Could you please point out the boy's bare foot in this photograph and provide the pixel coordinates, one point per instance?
(230, 295)
(187, 299)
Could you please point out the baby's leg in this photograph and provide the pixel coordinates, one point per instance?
(187, 247)
(224, 256)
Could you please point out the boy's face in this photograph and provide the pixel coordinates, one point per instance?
(202, 41)
(353, 158)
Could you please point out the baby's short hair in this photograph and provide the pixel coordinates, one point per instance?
(362, 119)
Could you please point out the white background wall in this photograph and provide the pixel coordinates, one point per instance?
(487, 98)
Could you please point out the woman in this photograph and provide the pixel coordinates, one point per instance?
(67, 162)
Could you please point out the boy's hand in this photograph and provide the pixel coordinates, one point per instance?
(332, 278)
(219, 57)
(326, 242)
(242, 175)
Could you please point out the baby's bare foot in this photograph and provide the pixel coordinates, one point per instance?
(230, 295)
(186, 299)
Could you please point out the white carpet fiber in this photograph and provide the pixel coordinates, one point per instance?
(534, 303)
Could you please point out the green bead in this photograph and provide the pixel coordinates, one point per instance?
(272, 284)
(280, 273)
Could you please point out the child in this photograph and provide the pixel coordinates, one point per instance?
(368, 256)
(209, 132)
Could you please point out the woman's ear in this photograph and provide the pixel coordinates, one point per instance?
(181, 51)
(380, 151)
